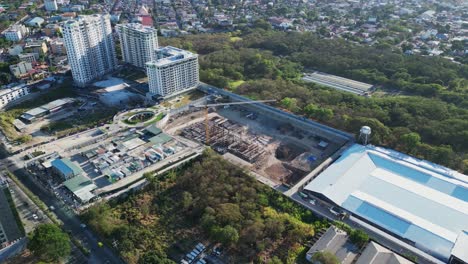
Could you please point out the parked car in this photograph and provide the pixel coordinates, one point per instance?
(35, 217)
(336, 211)
(312, 201)
(218, 251)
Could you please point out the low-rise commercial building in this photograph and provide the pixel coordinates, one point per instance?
(20, 69)
(16, 32)
(28, 57)
(12, 94)
(41, 111)
(36, 22)
(37, 46)
(81, 187)
(51, 29)
(66, 168)
(336, 242)
(377, 254)
(57, 47)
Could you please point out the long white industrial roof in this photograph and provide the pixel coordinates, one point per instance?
(414, 199)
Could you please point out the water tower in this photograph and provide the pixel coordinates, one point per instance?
(364, 134)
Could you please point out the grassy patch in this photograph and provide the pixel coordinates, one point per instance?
(151, 121)
(158, 117)
(235, 84)
(74, 124)
(235, 39)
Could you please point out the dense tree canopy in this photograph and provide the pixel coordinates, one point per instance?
(421, 106)
(210, 200)
(49, 243)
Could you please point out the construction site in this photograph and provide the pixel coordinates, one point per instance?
(269, 142)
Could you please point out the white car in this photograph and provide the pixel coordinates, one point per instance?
(35, 217)
(52, 208)
(335, 211)
(312, 201)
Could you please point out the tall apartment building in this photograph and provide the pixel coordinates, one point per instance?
(174, 71)
(138, 43)
(90, 47)
(50, 5)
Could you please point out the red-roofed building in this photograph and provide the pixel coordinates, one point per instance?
(146, 20)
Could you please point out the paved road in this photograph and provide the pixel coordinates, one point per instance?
(71, 222)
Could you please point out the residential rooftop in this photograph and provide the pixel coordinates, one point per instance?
(170, 55)
(139, 27)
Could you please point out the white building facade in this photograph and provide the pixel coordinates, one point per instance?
(20, 69)
(50, 5)
(174, 71)
(138, 43)
(16, 32)
(12, 94)
(90, 47)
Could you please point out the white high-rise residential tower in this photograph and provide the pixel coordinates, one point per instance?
(90, 47)
(174, 71)
(138, 43)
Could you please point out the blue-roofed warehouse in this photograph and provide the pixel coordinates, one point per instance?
(66, 169)
(420, 202)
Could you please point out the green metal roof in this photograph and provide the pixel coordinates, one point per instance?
(153, 130)
(160, 139)
(76, 183)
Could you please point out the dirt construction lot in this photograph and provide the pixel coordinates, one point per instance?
(276, 150)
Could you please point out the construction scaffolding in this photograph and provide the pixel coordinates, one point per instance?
(228, 136)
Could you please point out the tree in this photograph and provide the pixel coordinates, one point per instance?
(5, 78)
(359, 237)
(227, 235)
(49, 243)
(319, 113)
(325, 257)
(410, 141)
(289, 103)
(187, 200)
(275, 260)
(262, 24)
(151, 257)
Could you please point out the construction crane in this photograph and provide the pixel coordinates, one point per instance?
(207, 106)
